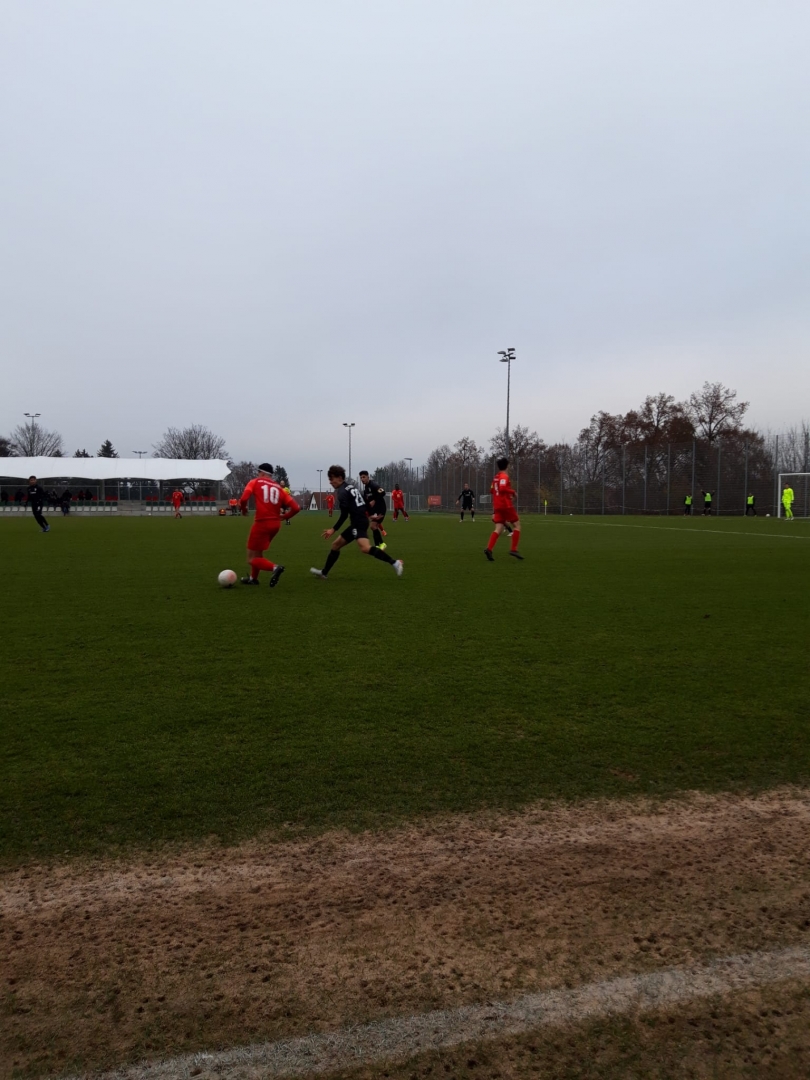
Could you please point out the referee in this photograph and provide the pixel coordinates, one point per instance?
(36, 500)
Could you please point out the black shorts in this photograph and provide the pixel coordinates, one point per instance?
(355, 532)
(379, 515)
(465, 507)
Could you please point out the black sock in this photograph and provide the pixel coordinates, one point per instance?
(462, 515)
(377, 536)
(383, 556)
(331, 559)
(472, 514)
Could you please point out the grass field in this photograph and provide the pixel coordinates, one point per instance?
(142, 704)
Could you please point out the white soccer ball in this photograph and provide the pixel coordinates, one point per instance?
(767, 515)
(227, 578)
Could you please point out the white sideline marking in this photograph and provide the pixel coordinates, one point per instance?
(682, 532)
(404, 1037)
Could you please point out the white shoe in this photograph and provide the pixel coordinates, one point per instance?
(317, 573)
(399, 567)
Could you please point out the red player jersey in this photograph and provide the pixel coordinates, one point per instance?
(271, 499)
(398, 499)
(177, 497)
(502, 492)
(330, 502)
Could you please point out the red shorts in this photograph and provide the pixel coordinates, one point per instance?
(500, 517)
(261, 535)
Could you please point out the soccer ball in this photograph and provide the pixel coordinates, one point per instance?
(767, 515)
(227, 578)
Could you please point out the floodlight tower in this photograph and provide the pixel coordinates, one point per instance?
(320, 488)
(350, 426)
(33, 416)
(507, 356)
(140, 453)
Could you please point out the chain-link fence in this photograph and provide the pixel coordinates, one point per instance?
(653, 479)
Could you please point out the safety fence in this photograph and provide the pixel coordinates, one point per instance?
(650, 479)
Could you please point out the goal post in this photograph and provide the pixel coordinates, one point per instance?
(799, 482)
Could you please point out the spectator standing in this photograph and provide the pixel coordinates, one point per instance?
(64, 502)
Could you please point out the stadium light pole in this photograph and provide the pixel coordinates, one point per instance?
(350, 426)
(410, 474)
(140, 453)
(507, 356)
(320, 487)
(33, 416)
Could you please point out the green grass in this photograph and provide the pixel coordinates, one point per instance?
(142, 704)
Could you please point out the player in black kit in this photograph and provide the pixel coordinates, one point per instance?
(36, 500)
(375, 500)
(352, 505)
(466, 501)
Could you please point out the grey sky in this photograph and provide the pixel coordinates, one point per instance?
(272, 217)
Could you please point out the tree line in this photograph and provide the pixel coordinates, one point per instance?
(659, 427)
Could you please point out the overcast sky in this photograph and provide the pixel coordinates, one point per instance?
(274, 217)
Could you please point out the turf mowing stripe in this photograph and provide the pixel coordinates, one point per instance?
(681, 532)
(404, 1037)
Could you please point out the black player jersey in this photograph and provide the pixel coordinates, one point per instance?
(467, 499)
(375, 497)
(352, 505)
(36, 495)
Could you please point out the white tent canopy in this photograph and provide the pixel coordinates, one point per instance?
(99, 468)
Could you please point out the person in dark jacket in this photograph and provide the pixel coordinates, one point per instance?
(36, 497)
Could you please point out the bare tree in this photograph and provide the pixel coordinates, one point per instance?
(5, 447)
(391, 473)
(467, 452)
(663, 419)
(794, 449)
(33, 440)
(236, 481)
(522, 443)
(715, 411)
(438, 458)
(196, 443)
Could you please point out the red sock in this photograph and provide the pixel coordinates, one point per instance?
(493, 540)
(515, 539)
(260, 564)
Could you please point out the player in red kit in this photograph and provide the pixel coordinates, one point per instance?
(271, 499)
(330, 503)
(504, 512)
(398, 502)
(177, 502)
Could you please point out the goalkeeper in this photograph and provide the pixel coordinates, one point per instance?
(787, 501)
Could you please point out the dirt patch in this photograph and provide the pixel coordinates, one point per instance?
(104, 964)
